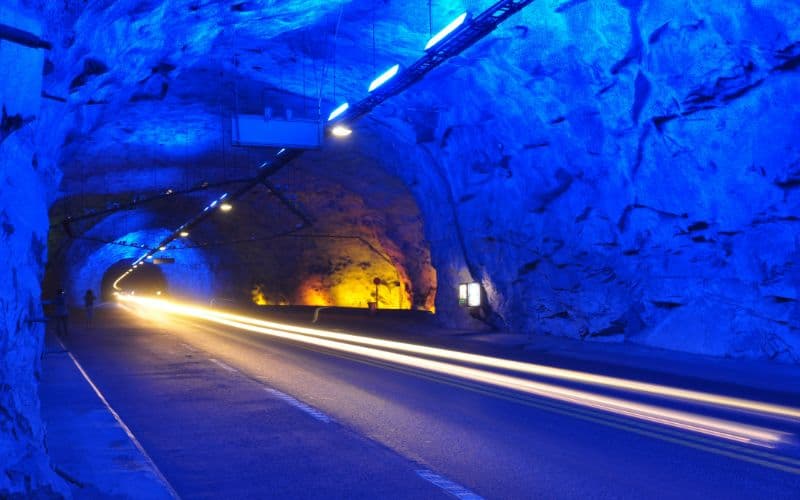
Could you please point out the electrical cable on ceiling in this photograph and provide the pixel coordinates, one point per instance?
(325, 65)
(430, 18)
(303, 64)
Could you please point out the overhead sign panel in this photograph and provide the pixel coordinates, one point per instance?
(258, 131)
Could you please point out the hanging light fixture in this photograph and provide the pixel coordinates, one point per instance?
(341, 131)
(338, 111)
(384, 77)
(441, 35)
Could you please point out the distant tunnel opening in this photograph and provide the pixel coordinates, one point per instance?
(147, 279)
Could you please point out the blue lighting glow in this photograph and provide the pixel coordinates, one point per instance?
(385, 77)
(438, 37)
(338, 111)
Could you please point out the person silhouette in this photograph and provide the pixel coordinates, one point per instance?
(88, 303)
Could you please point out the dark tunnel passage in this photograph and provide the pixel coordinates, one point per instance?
(149, 280)
(602, 179)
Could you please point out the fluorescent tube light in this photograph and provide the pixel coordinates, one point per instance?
(385, 77)
(438, 37)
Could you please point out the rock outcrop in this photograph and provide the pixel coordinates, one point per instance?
(26, 182)
(605, 171)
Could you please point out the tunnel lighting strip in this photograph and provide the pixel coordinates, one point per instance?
(455, 38)
(712, 426)
(452, 26)
(390, 83)
(169, 239)
(384, 77)
(338, 111)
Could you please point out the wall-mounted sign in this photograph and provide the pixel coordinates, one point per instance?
(164, 260)
(469, 294)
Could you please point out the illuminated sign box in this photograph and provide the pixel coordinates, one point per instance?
(164, 260)
(469, 294)
(255, 130)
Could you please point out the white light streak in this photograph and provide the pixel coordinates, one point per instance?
(674, 418)
(338, 111)
(438, 37)
(384, 77)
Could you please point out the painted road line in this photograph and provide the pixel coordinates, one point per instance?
(486, 361)
(299, 405)
(718, 447)
(223, 365)
(159, 475)
(707, 444)
(730, 430)
(447, 485)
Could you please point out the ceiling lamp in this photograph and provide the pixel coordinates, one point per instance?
(341, 131)
(438, 37)
(338, 111)
(385, 77)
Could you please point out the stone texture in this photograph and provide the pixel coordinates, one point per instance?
(622, 171)
(24, 184)
(607, 170)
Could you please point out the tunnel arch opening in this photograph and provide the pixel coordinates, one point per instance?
(147, 279)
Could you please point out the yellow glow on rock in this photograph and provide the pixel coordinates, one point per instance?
(312, 292)
(258, 297)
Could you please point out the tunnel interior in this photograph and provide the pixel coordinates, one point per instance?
(150, 280)
(620, 172)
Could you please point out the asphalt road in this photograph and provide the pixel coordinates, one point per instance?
(226, 413)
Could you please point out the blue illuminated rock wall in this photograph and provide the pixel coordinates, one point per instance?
(623, 171)
(25, 181)
(609, 170)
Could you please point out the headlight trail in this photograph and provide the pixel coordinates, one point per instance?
(518, 366)
(712, 426)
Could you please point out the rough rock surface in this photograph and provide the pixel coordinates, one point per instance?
(615, 170)
(26, 181)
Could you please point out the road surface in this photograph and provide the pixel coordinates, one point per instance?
(229, 413)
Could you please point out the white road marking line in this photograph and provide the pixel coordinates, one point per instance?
(447, 485)
(299, 405)
(159, 475)
(223, 365)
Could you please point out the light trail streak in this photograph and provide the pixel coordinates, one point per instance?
(528, 368)
(712, 426)
(541, 370)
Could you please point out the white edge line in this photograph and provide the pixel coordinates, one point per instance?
(447, 485)
(136, 443)
(224, 366)
(317, 414)
(322, 417)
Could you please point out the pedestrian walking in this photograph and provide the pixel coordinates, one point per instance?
(88, 303)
